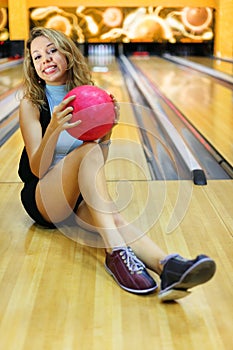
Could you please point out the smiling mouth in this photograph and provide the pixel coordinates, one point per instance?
(49, 69)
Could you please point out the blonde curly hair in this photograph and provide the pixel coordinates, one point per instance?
(77, 69)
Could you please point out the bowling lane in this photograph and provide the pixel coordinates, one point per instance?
(219, 65)
(126, 152)
(206, 104)
(10, 78)
(107, 75)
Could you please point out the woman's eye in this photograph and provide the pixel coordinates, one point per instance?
(53, 50)
(36, 58)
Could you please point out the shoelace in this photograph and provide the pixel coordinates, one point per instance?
(131, 260)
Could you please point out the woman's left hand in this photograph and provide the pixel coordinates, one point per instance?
(117, 109)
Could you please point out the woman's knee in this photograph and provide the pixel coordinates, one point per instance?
(74, 159)
(89, 151)
(92, 159)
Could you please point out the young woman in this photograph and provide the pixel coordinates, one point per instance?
(64, 176)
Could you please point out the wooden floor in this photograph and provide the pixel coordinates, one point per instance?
(206, 104)
(219, 65)
(55, 293)
(10, 78)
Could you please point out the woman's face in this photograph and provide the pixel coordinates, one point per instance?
(49, 63)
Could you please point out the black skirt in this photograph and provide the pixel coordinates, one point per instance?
(28, 198)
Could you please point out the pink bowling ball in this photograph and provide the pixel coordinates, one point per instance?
(95, 108)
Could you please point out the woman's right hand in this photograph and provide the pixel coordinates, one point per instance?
(62, 114)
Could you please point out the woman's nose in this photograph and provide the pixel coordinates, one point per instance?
(46, 58)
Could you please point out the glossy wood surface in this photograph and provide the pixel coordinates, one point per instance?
(55, 293)
(206, 104)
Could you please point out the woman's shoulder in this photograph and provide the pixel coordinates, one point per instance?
(26, 103)
(27, 108)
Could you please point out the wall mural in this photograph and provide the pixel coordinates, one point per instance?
(122, 24)
(4, 32)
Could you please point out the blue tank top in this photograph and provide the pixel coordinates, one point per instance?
(66, 143)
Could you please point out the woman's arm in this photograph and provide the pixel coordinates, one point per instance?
(105, 141)
(40, 149)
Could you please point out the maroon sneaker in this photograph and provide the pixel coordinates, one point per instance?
(128, 271)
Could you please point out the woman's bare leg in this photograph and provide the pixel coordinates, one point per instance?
(145, 249)
(82, 170)
(58, 190)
